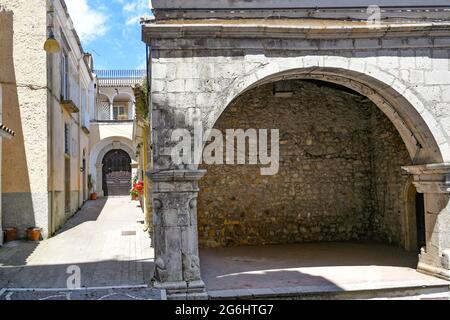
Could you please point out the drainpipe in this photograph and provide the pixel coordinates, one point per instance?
(147, 211)
(148, 151)
(80, 101)
(50, 110)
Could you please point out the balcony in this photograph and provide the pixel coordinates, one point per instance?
(119, 78)
(120, 109)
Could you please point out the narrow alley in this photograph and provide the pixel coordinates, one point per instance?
(105, 240)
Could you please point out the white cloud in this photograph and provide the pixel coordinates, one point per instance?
(133, 20)
(135, 9)
(89, 23)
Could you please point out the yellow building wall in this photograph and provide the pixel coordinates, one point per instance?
(24, 164)
(34, 162)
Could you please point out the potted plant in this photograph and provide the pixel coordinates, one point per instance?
(137, 191)
(90, 182)
(34, 234)
(134, 194)
(10, 234)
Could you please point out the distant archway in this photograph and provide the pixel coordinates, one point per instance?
(116, 173)
(99, 151)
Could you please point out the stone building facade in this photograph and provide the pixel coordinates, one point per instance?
(350, 168)
(47, 97)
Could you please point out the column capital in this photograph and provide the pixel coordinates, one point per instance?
(430, 178)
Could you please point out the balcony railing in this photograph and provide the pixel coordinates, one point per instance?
(119, 78)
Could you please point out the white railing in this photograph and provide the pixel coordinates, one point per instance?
(119, 78)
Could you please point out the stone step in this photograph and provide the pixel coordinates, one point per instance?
(440, 290)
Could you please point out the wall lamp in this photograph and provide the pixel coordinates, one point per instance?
(51, 45)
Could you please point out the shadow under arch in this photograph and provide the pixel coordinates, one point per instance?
(418, 130)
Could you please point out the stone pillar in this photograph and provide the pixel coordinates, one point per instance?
(99, 179)
(433, 180)
(133, 111)
(111, 111)
(177, 263)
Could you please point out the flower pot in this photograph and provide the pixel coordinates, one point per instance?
(10, 234)
(34, 234)
(93, 196)
(134, 197)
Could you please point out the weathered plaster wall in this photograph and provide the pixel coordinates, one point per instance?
(6, 24)
(101, 131)
(331, 143)
(25, 192)
(80, 82)
(34, 174)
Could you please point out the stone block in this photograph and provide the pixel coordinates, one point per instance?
(159, 71)
(437, 77)
(446, 93)
(416, 76)
(423, 59)
(175, 86)
(367, 43)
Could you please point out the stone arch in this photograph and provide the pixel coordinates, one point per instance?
(423, 136)
(130, 101)
(100, 150)
(132, 98)
(259, 108)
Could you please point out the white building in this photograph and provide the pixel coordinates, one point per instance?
(112, 151)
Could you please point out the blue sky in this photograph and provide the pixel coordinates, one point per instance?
(110, 30)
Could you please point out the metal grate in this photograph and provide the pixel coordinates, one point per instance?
(103, 109)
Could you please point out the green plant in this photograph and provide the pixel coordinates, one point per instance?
(134, 193)
(90, 182)
(142, 103)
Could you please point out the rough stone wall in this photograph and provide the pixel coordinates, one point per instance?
(389, 182)
(335, 148)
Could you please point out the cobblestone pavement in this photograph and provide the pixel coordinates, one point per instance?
(142, 293)
(104, 242)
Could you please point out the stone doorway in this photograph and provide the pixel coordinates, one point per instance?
(116, 173)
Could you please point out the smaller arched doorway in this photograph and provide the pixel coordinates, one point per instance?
(415, 204)
(116, 173)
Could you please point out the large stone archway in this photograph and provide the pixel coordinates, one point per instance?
(207, 74)
(339, 173)
(419, 141)
(98, 153)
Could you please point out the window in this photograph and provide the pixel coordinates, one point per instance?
(67, 138)
(64, 76)
(120, 113)
(84, 109)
